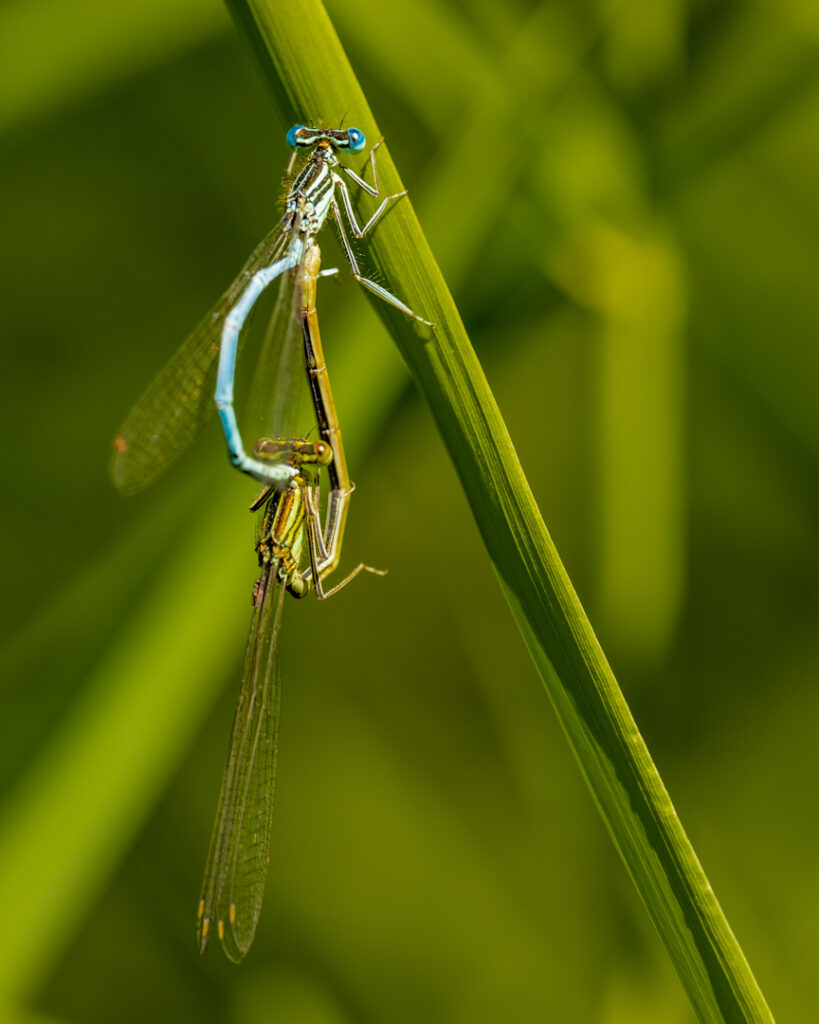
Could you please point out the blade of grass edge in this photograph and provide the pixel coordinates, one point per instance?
(304, 65)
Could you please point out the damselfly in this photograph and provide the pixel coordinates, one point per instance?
(176, 404)
(240, 848)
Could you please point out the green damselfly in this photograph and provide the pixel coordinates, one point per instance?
(176, 404)
(240, 848)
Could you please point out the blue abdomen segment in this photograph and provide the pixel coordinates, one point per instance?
(264, 472)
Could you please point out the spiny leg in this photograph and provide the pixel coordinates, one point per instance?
(360, 232)
(376, 289)
(370, 189)
(347, 579)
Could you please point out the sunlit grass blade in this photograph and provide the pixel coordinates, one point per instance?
(302, 60)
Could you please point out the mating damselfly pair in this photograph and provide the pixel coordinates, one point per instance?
(165, 421)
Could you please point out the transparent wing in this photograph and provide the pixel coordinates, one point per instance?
(277, 393)
(177, 403)
(240, 847)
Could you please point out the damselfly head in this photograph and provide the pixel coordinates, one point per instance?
(300, 136)
(296, 452)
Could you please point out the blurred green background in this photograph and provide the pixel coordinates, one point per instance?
(623, 198)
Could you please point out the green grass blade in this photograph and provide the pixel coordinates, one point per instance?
(302, 60)
(84, 46)
(76, 809)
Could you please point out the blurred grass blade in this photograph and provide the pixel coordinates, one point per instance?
(80, 803)
(84, 45)
(626, 269)
(302, 61)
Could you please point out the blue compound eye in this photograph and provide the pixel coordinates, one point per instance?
(291, 135)
(357, 139)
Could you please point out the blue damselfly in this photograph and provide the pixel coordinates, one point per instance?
(176, 404)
